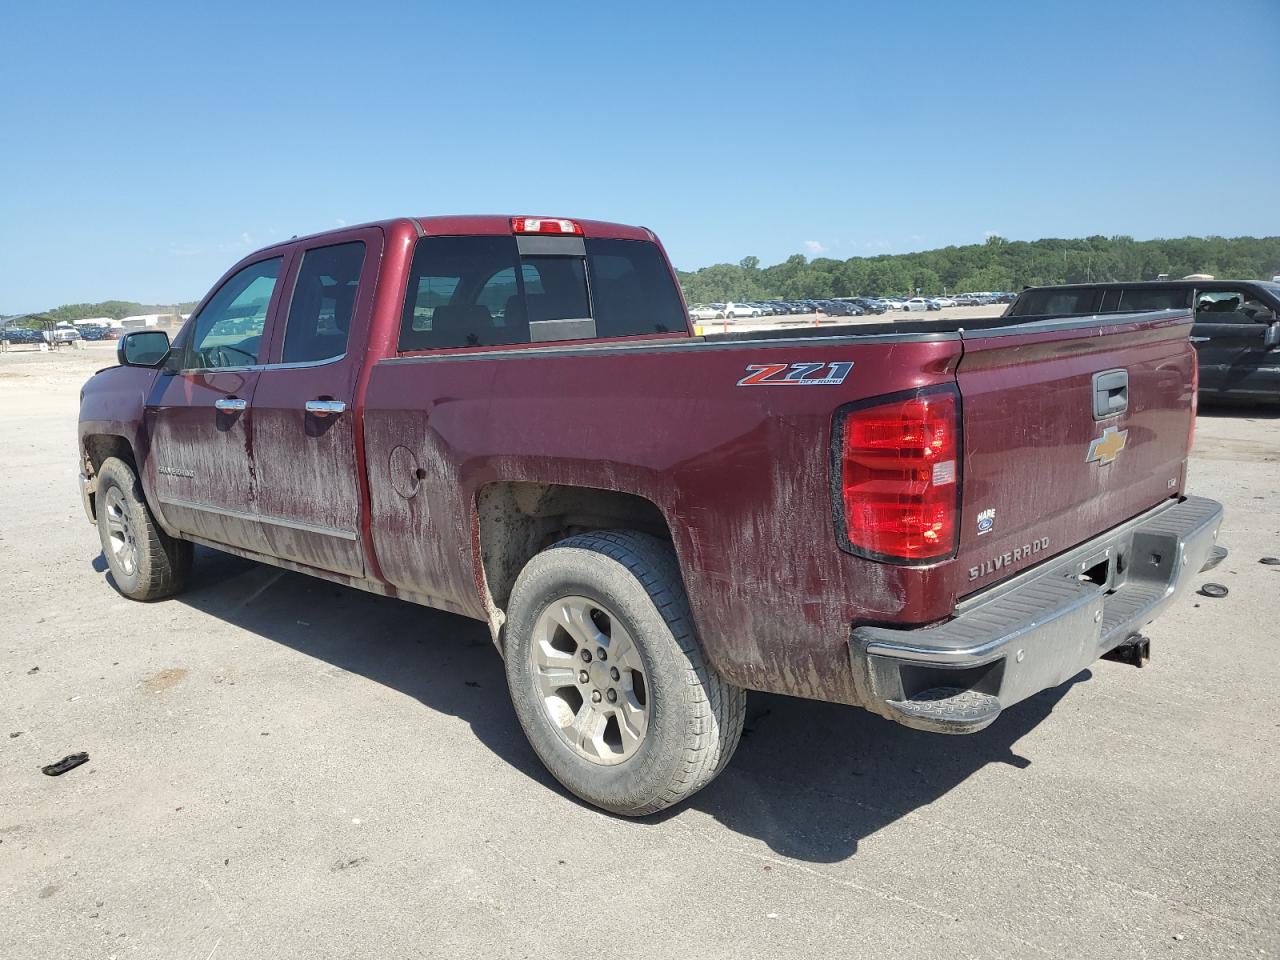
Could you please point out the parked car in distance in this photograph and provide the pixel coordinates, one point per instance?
(707, 311)
(736, 311)
(869, 305)
(919, 305)
(1236, 332)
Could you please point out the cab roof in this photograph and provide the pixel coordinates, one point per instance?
(499, 224)
(476, 224)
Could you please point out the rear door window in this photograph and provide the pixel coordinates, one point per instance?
(323, 300)
(481, 291)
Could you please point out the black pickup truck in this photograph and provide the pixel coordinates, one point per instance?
(1236, 332)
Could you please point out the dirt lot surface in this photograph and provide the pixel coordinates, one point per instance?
(283, 768)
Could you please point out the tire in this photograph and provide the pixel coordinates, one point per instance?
(145, 562)
(617, 591)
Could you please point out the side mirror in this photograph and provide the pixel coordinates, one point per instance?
(143, 348)
(1271, 339)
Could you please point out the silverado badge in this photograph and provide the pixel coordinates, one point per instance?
(1107, 447)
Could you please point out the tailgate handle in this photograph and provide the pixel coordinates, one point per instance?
(1110, 393)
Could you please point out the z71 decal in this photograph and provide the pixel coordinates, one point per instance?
(796, 374)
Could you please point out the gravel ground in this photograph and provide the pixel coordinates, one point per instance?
(284, 768)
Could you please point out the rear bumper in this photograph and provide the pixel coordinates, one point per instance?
(1038, 629)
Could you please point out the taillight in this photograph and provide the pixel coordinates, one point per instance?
(899, 477)
(545, 225)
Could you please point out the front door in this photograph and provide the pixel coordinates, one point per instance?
(304, 414)
(1229, 336)
(199, 413)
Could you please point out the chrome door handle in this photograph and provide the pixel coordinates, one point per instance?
(230, 404)
(322, 408)
(1199, 339)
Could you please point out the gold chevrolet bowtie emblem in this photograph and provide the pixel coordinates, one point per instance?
(1107, 447)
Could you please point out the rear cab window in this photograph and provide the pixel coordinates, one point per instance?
(484, 291)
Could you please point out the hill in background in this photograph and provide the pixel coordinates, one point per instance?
(998, 264)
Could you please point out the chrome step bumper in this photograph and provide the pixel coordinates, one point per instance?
(1038, 629)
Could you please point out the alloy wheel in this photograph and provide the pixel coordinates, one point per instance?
(590, 679)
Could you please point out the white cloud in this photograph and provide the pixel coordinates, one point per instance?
(340, 222)
(246, 239)
(814, 246)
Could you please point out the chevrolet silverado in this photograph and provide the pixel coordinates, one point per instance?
(509, 418)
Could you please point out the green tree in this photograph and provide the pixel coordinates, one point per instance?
(995, 264)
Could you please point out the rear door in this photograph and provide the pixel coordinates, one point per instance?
(304, 416)
(199, 415)
(1069, 429)
(1229, 336)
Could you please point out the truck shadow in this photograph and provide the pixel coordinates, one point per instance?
(810, 779)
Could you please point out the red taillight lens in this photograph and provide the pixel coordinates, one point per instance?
(900, 477)
(545, 225)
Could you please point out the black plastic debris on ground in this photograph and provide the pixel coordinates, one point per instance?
(1271, 561)
(69, 762)
(1215, 590)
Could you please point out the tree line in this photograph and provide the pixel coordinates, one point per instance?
(115, 309)
(997, 264)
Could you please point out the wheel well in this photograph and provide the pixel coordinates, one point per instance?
(517, 520)
(99, 448)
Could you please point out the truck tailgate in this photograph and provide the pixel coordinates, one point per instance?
(1044, 468)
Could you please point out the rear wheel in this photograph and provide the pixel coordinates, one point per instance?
(145, 562)
(607, 677)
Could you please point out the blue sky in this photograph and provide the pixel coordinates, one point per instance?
(149, 146)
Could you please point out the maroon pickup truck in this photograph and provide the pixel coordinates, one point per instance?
(510, 418)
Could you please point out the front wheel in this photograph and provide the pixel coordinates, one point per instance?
(607, 677)
(145, 562)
